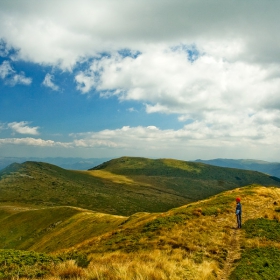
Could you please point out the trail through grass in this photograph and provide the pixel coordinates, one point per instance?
(233, 254)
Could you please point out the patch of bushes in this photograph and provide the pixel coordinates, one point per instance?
(258, 264)
(164, 222)
(15, 263)
(270, 229)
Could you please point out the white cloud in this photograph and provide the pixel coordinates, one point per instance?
(85, 82)
(198, 139)
(11, 77)
(228, 138)
(49, 83)
(5, 69)
(227, 93)
(206, 90)
(45, 35)
(23, 128)
(32, 142)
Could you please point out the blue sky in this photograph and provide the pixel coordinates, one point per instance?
(179, 79)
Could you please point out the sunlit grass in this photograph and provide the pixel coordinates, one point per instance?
(118, 179)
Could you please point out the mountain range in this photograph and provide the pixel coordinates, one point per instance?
(73, 163)
(271, 168)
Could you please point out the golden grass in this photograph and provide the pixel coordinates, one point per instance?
(118, 179)
(153, 265)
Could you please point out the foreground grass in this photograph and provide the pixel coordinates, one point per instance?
(115, 266)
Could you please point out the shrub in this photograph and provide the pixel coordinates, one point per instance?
(16, 263)
(258, 264)
(270, 229)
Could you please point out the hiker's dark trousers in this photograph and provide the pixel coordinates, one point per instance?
(238, 216)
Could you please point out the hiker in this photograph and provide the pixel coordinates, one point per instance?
(238, 212)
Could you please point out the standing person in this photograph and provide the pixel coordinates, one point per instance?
(238, 212)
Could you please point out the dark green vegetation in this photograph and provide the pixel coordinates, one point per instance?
(269, 229)
(193, 181)
(272, 168)
(146, 185)
(15, 263)
(258, 264)
(263, 261)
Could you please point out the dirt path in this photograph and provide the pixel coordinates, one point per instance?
(233, 254)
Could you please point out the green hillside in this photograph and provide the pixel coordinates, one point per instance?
(42, 184)
(191, 180)
(122, 186)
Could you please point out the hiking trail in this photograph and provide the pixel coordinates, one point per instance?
(234, 253)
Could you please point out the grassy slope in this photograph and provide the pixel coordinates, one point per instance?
(51, 228)
(195, 241)
(202, 232)
(48, 185)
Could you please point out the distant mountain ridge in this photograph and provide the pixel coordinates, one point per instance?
(271, 168)
(73, 163)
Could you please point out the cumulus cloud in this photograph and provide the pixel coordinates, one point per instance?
(49, 83)
(206, 90)
(11, 77)
(23, 128)
(86, 28)
(213, 64)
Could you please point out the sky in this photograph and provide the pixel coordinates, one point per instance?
(182, 79)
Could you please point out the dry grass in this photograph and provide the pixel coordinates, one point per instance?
(68, 269)
(151, 265)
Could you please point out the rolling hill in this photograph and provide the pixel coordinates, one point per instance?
(122, 186)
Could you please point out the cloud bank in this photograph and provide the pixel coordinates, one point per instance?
(215, 65)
